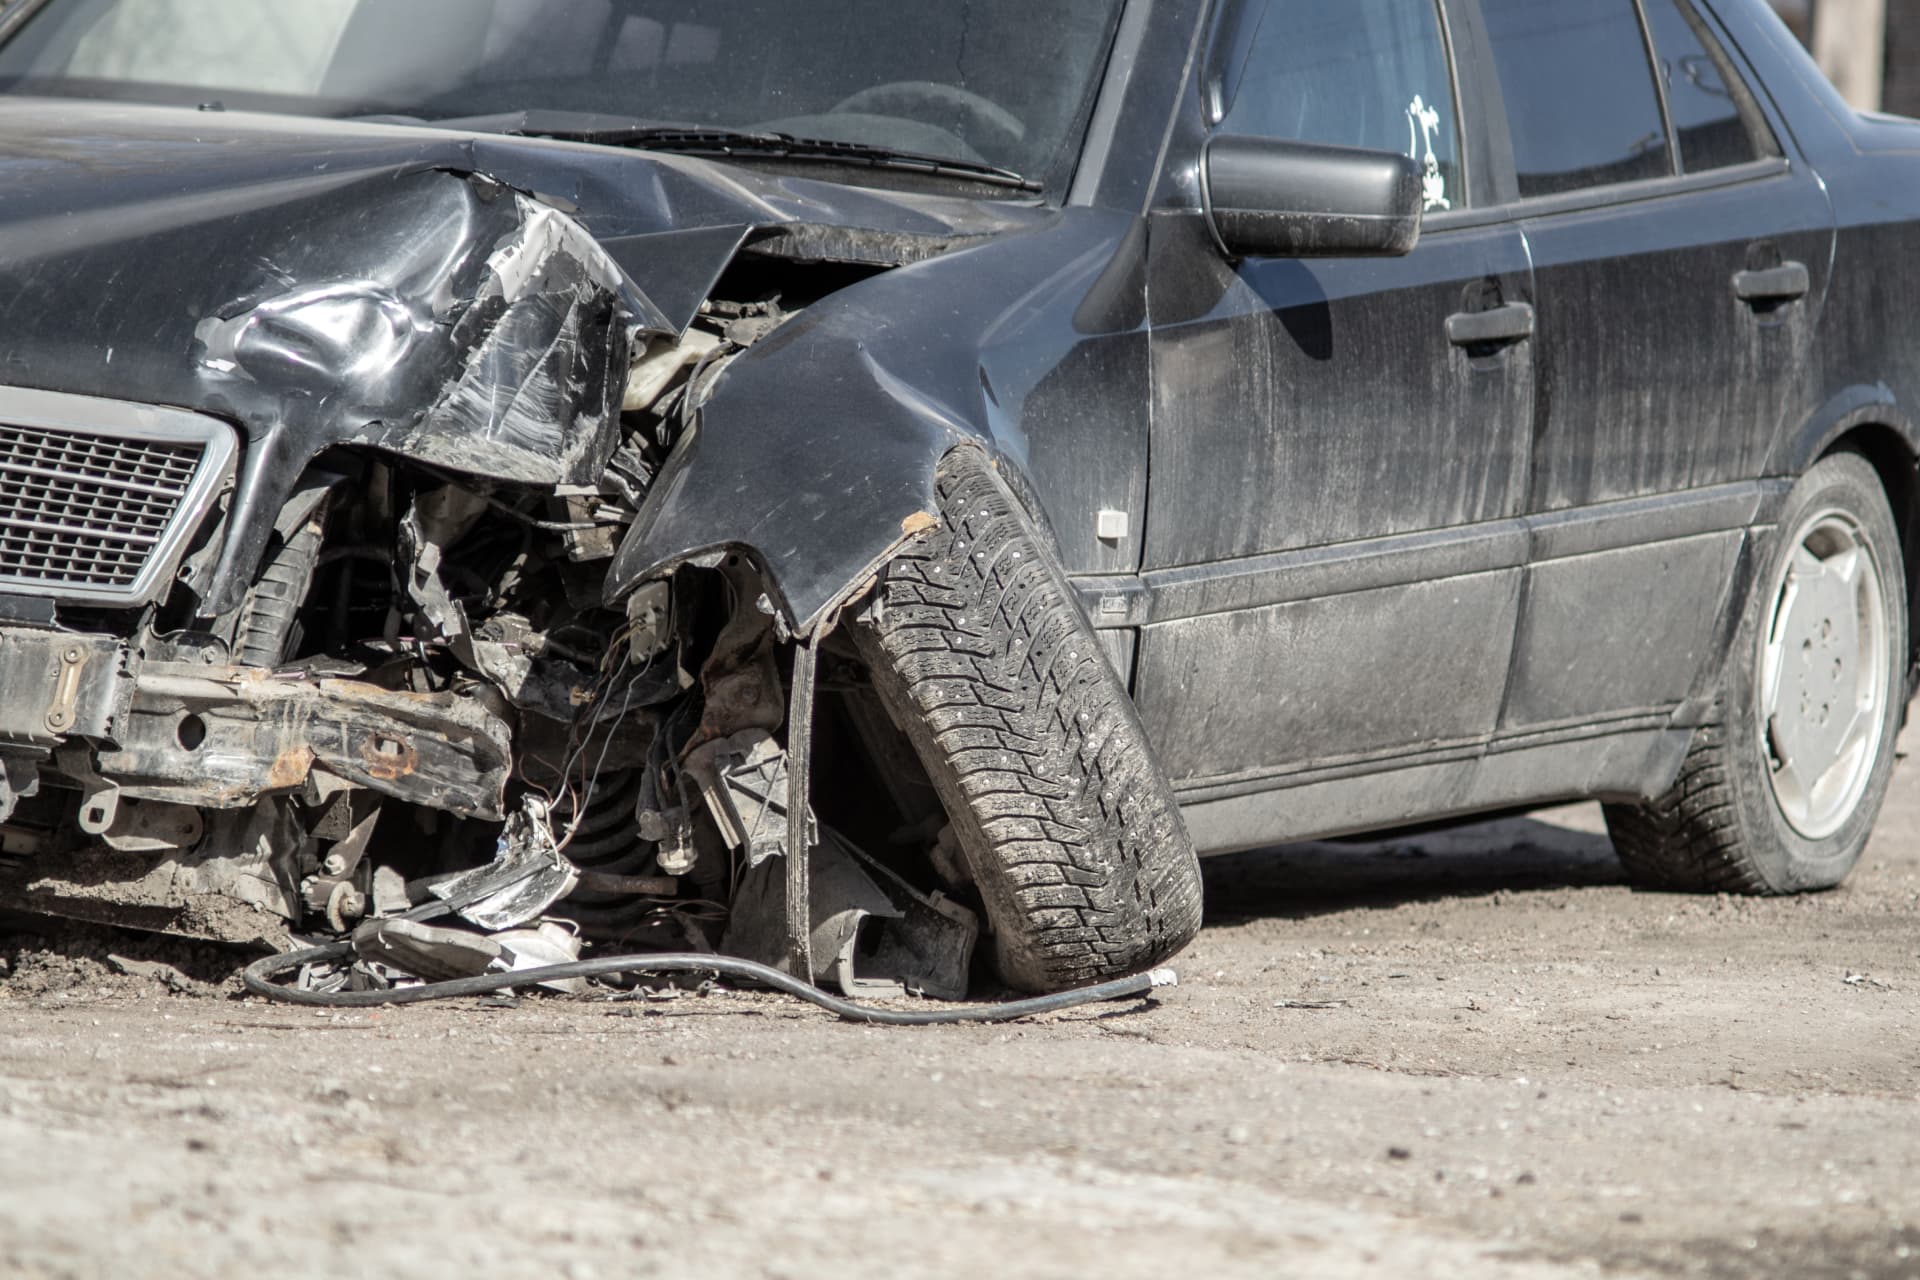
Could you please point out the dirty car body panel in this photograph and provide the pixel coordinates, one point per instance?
(498, 468)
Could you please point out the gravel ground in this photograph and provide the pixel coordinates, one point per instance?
(1475, 1054)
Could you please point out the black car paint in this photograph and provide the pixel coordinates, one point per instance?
(1361, 555)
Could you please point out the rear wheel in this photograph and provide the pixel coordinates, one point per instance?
(1781, 794)
(1069, 828)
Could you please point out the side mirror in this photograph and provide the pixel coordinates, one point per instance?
(1271, 199)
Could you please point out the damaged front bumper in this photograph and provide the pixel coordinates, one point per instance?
(196, 798)
(220, 801)
(223, 737)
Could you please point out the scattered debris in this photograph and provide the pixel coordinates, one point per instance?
(1312, 1004)
(424, 952)
(1864, 980)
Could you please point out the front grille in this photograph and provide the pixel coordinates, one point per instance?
(97, 514)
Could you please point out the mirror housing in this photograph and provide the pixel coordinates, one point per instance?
(1266, 198)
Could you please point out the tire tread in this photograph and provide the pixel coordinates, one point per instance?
(1073, 834)
(1686, 840)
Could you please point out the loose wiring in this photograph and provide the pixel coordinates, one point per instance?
(260, 980)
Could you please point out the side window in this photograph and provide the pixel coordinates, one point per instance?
(1581, 103)
(1714, 117)
(1355, 73)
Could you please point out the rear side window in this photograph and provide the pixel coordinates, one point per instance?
(1581, 103)
(1355, 73)
(1713, 115)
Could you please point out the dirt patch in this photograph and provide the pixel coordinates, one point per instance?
(46, 960)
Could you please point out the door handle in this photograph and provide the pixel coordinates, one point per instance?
(1511, 323)
(1788, 282)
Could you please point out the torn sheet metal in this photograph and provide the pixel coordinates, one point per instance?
(548, 943)
(408, 950)
(497, 343)
(432, 953)
(527, 876)
(546, 344)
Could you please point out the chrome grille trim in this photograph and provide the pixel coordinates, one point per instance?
(99, 497)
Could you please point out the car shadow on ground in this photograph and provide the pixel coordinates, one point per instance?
(1300, 881)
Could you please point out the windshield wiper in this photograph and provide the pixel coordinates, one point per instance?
(701, 141)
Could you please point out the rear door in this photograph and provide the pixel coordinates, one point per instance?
(1678, 254)
(1332, 549)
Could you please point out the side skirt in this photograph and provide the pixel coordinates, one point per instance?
(1627, 763)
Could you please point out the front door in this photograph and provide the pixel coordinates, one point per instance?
(1339, 448)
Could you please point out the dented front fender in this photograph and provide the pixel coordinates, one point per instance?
(815, 454)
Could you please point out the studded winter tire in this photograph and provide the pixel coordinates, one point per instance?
(1070, 830)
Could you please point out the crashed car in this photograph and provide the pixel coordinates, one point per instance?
(853, 484)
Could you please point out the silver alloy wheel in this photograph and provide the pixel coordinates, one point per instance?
(1824, 675)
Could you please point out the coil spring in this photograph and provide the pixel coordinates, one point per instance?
(607, 840)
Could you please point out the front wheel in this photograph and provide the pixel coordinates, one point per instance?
(1070, 829)
(1780, 795)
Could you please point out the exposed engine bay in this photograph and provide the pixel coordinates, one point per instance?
(424, 694)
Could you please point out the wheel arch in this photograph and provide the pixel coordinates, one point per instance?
(1890, 451)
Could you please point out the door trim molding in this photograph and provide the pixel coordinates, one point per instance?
(1255, 582)
(1503, 743)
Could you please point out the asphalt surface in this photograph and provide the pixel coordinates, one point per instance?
(1475, 1054)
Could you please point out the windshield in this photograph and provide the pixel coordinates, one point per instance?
(997, 82)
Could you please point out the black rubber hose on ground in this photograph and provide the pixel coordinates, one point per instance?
(261, 974)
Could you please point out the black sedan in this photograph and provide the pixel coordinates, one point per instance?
(818, 480)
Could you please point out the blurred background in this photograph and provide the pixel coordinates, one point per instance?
(1869, 48)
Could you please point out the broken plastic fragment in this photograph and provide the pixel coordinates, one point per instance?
(427, 952)
(550, 943)
(874, 934)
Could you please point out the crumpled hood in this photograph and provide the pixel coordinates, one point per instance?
(469, 300)
(95, 192)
